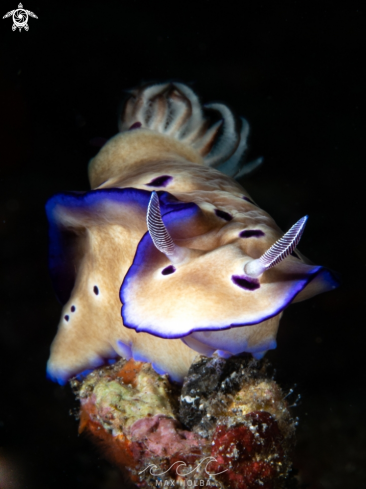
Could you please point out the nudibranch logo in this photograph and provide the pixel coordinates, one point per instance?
(20, 18)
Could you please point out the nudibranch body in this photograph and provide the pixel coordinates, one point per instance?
(168, 255)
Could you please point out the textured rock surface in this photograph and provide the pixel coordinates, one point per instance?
(227, 427)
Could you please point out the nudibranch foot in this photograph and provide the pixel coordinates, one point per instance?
(167, 256)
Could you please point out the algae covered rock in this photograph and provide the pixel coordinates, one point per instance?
(228, 426)
(127, 394)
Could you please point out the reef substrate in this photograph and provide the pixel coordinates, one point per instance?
(227, 427)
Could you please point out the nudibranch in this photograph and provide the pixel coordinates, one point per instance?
(168, 256)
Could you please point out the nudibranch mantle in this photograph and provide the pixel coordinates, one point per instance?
(168, 240)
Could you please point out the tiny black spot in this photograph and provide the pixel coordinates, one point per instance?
(248, 199)
(293, 253)
(223, 215)
(161, 181)
(96, 290)
(73, 308)
(251, 233)
(246, 282)
(168, 270)
(67, 317)
(135, 125)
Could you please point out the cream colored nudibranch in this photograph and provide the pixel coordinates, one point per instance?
(182, 259)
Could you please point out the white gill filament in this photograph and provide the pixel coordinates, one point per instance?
(195, 120)
(231, 166)
(160, 235)
(249, 167)
(179, 113)
(229, 140)
(278, 251)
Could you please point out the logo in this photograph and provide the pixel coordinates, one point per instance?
(180, 464)
(20, 17)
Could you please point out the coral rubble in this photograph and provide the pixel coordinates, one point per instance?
(228, 426)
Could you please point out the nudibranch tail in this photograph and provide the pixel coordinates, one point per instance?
(278, 251)
(168, 255)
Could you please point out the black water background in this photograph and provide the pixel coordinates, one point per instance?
(297, 73)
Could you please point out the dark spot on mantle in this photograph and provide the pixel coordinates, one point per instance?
(248, 199)
(161, 181)
(223, 215)
(247, 283)
(73, 308)
(66, 317)
(135, 125)
(251, 233)
(96, 290)
(168, 270)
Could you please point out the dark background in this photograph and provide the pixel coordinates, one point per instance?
(297, 73)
